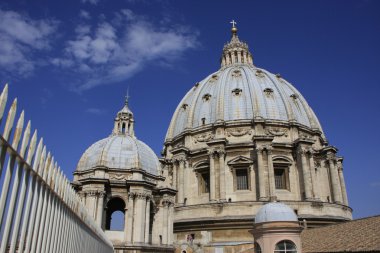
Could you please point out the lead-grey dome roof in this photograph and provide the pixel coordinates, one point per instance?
(241, 91)
(119, 152)
(275, 211)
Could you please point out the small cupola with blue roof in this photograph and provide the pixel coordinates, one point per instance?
(124, 120)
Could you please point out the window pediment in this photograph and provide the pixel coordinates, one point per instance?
(240, 161)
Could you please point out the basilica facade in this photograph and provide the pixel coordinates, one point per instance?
(239, 139)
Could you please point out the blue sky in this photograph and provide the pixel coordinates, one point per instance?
(70, 64)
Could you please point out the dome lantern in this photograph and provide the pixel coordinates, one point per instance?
(236, 51)
(124, 122)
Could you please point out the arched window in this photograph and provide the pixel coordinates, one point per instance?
(285, 246)
(115, 214)
(123, 128)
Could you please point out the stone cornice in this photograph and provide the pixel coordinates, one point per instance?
(179, 150)
(262, 138)
(220, 141)
(167, 190)
(241, 123)
(120, 171)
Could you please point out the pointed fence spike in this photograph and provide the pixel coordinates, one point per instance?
(40, 163)
(44, 173)
(25, 140)
(37, 155)
(42, 170)
(32, 147)
(10, 120)
(18, 131)
(3, 101)
(49, 169)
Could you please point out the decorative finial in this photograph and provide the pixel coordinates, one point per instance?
(127, 97)
(233, 23)
(234, 28)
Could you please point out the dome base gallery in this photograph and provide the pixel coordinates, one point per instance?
(240, 138)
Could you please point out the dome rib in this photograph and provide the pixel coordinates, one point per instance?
(289, 111)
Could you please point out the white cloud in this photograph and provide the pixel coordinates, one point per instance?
(84, 14)
(375, 184)
(96, 111)
(94, 2)
(114, 51)
(20, 38)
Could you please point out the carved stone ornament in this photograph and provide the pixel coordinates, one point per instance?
(88, 175)
(236, 73)
(237, 92)
(301, 151)
(179, 144)
(277, 131)
(214, 78)
(139, 195)
(260, 73)
(330, 156)
(167, 201)
(237, 132)
(203, 137)
(268, 92)
(120, 177)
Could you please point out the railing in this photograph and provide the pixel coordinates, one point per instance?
(39, 210)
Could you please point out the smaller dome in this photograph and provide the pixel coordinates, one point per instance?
(275, 211)
(120, 152)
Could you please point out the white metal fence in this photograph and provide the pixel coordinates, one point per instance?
(39, 210)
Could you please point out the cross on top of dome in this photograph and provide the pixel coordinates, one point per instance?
(236, 51)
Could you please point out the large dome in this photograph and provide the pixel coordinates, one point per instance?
(241, 91)
(121, 150)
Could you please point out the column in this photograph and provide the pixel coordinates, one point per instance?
(100, 210)
(305, 173)
(245, 57)
(252, 180)
(342, 183)
(165, 231)
(260, 167)
(313, 176)
(212, 177)
(147, 220)
(170, 222)
(185, 181)
(334, 179)
(222, 176)
(91, 203)
(272, 186)
(180, 181)
(239, 56)
(174, 167)
(139, 218)
(128, 227)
